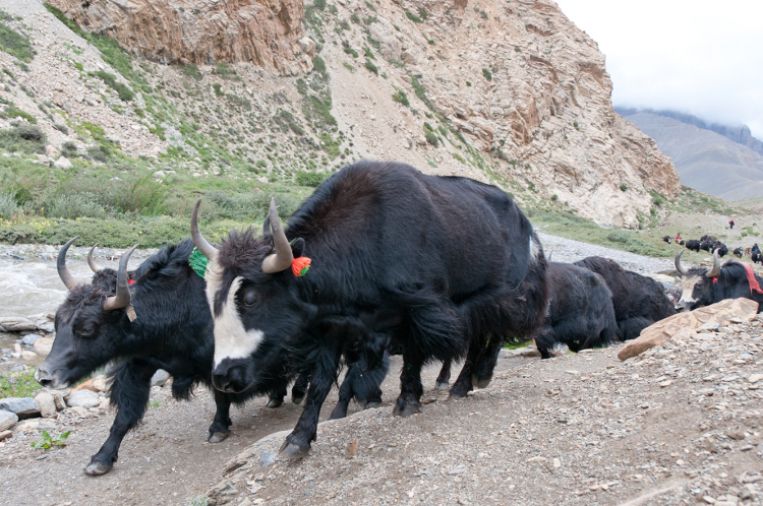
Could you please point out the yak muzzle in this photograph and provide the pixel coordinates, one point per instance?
(230, 378)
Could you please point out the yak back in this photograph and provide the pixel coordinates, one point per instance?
(386, 234)
(633, 295)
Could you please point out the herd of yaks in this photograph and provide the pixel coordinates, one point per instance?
(381, 259)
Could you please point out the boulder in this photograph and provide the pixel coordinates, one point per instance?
(29, 339)
(7, 419)
(16, 324)
(24, 407)
(42, 346)
(685, 325)
(63, 162)
(47, 404)
(159, 378)
(83, 399)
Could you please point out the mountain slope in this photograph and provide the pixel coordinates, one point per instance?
(706, 160)
(513, 94)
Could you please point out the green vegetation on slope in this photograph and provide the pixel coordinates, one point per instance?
(13, 42)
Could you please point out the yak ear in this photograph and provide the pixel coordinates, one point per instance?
(297, 247)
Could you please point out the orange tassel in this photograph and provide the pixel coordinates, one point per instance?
(300, 266)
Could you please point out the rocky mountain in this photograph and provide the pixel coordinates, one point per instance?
(263, 90)
(707, 159)
(740, 134)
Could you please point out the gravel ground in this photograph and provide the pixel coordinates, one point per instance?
(680, 424)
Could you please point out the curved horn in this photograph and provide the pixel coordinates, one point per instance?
(122, 297)
(91, 261)
(281, 259)
(63, 271)
(680, 268)
(204, 246)
(716, 270)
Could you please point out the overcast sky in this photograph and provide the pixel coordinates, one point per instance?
(704, 57)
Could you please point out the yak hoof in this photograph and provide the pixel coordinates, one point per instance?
(338, 413)
(481, 382)
(218, 437)
(407, 409)
(297, 399)
(372, 405)
(441, 385)
(275, 403)
(98, 468)
(293, 451)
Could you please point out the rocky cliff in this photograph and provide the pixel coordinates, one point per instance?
(508, 92)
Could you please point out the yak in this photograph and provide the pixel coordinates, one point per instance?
(738, 252)
(700, 287)
(580, 313)
(638, 300)
(693, 245)
(438, 266)
(161, 321)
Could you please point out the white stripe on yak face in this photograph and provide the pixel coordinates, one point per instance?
(232, 340)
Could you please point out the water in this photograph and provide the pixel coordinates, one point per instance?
(29, 282)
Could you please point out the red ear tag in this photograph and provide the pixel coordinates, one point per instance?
(715, 280)
(130, 281)
(300, 266)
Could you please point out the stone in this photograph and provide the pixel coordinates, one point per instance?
(754, 378)
(683, 326)
(58, 398)
(42, 346)
(24, 407)
(34, 425)
(47, 404)
(16, 324)
(29, 339)
(7, 419)
(28, 356)
(63, 162)
(5, 434)
(83, 399)
(159, 378)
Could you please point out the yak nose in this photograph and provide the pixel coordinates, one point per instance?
(231, 379)
(43, 376)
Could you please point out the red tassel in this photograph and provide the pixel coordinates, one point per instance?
(300, 266)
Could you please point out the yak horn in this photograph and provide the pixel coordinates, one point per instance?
(716, 270)
(91, 261)
(63, 271)
(680, 268)
(204, 246)
(122, 298)
(281, 259)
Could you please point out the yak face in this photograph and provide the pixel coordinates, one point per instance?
(86, 337)
(89, 324)
(254, 302)
(694, 290)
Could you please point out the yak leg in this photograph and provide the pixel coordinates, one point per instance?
(345, 394)
(129, 393)
(297, 443)
(411, 388)
(483, 370)
(299, 388)
(220, 428)
(444, 377)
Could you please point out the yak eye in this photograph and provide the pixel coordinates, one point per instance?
(250, 297)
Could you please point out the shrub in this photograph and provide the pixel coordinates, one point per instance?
(69, 149)
(192, 71)
(8, 206)
(431, 138)
(623, 187)
(25, 138)
(370, 66)
(313, 179)
(12, 111)
(74, 206)
(487, 74)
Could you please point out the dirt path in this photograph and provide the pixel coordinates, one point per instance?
(164, 461)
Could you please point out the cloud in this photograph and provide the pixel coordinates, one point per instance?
(697, 56)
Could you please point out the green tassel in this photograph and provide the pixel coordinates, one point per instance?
(198, 262)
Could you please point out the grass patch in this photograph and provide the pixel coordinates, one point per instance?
(48, 442)
(12, 111)
(19, 384)
(371, 66)
(14, 43)
(487, 74)
(401, 98)
(571, 226)
(125, 93)
(416, 18)
(192, 71)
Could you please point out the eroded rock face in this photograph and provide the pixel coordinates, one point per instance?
(263, 32)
